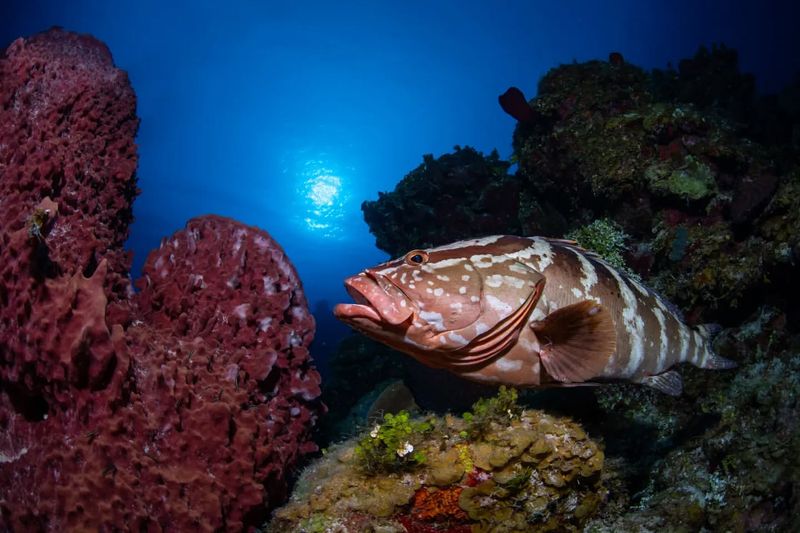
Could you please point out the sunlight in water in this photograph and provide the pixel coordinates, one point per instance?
(324, 197)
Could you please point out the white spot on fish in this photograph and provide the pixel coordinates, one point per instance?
(514, 282)
(495, 280)
(634, 324)
(518, 268)
(429, 290)
(483, 241)
(456, 305)
(412, 286)
(402, 303)
(433, 318)
(442, 278)
(455, 337)
(589, 277)
(403, 278)
(445, 263)
(498, 305)
(639, 287)
(577, 293)
(438, 291)
(480, 327)
(462, 290)
(430, 283)
(468, 267)
(684, 333)
(662, 354)
(482, 260)
(473, 299)
(539, 247)
(698, 348)
(465, 277)
(505, 365)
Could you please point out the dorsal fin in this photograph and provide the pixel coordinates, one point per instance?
(578, 248)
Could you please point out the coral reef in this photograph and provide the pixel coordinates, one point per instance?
(691, 181)
(456, 195)
(361, 369)
(180, 407)
(658, 154)
(739, 471)
(527, 471)
(67, 128)
(690, 191)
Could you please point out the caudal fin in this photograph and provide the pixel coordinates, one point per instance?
(705, 356)
(716, 362)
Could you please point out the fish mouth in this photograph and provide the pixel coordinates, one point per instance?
(376, 300)
(362, 308)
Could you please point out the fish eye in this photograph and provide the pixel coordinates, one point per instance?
(416, 257)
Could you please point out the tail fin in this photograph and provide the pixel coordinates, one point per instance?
(709, 359)
(717, 362)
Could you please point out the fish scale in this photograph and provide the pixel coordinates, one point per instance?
(525, 311)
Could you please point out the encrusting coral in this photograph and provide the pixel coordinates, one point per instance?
(501, 469)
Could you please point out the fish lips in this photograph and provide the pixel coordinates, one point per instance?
(375, 299)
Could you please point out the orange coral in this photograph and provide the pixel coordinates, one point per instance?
(438, 504)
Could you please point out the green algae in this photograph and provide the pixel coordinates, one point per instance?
(607, 239)
(694, 180)
(392, 445)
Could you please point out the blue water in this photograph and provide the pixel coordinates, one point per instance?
(287, 115)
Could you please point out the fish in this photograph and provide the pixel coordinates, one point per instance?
(526, 312)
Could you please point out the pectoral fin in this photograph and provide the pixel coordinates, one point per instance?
(576, 341)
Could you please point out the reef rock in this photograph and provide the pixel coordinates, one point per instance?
(181, 407)
(672, 176)
(706, 208)
(496, 469)
(455, 196)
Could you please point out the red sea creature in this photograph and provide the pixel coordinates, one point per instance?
(438, 504)
(514, 103)
(616, 59)
(179, 408)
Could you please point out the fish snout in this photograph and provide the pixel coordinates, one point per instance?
(375, 298)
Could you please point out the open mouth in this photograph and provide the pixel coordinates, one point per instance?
(362, 308)
(376, 299)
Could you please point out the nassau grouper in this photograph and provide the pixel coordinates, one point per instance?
(526, 312)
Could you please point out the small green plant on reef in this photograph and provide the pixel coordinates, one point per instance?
(499, 409)
(393, 445)
(605, 238)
